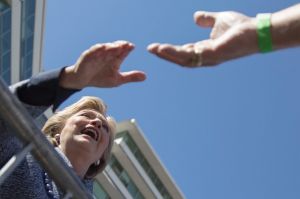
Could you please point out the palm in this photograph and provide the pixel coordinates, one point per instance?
(224, 43)
(99, 66)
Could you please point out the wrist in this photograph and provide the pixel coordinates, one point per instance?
(263, 29)
(252, 35)
(68, 78)
(248, 37)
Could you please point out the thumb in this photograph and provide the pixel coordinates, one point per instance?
(132, 76)
(205, 19)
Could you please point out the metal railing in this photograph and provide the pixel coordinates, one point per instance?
(17, 117)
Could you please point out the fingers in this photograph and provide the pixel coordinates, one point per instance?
(202, 53)
(132, 76)
(168, 52)
(183, 55)
(118, 49)
(205, 19)
(124, 51)
(112, 54)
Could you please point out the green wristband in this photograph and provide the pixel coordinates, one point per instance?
(263, 29)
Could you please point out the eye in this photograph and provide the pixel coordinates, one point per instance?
(85, 115)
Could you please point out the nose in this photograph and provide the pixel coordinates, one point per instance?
(96, 122)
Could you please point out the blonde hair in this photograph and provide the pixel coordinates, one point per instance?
(56, 123)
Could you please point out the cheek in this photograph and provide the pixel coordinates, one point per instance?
(67, 131)
(106, 142)
(74, 120)
(64, 135)
(78, 122)
(74, 124)
(103, 144)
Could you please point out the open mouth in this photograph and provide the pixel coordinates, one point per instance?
(91, 132)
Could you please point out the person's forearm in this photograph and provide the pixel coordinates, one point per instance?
(44, 90)
(285, 28)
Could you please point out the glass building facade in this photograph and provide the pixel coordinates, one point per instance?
(125, 178)
(99, 192)
(5, 42)
(27, 19)
(27, 35)
(145, 164)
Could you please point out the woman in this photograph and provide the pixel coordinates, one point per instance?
(82, 133)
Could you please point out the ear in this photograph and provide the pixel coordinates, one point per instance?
(57, 138)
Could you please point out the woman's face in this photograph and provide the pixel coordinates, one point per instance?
(85, 133)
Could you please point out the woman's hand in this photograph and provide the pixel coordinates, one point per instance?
(99, 66)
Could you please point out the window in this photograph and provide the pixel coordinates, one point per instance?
(125, 178)
(5, 42)
(99, 191)
(145, 164)
(27, 37)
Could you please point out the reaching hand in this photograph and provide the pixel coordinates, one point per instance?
(99, 66)
(233, 35)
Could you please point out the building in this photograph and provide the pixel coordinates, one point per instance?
(135, 171)
(21, 38)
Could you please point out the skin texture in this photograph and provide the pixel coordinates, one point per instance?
(233, 35)
(81, 149)
(99, 66)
